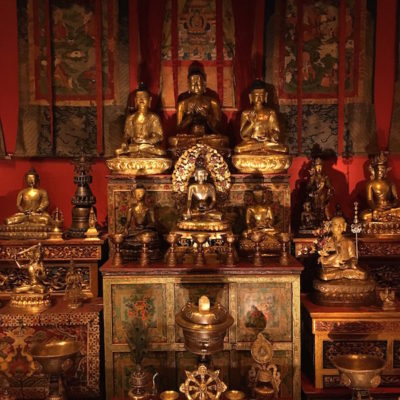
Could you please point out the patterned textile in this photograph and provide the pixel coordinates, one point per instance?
(74, 58)
(394, 138)
(197, 38)
(320, 70)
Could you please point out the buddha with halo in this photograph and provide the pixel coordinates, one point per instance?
(340, 280)
(32, 221)
(201, 214)
(141, 152)
(383, 215)
(198, 117)
(260, 150)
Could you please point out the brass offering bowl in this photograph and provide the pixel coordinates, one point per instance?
(169, 395)
(234, 395)
(204, 327)
(359, 372)
(56, 357)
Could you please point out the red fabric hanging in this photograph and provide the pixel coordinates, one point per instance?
(151, 21)
(299, 74)
(220, 50)
(243, 13)
(174, 46)
(258, 42)
(133, 45)
(385, 53)
(99, 78)
(49, 71)
(342, 74)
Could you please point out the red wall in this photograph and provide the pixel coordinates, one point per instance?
(57, 175)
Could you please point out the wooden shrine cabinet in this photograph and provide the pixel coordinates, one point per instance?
(57, 254)
(19, 330)
(331, 331)
(263, 299)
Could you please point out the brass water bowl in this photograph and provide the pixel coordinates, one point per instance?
(234, 395)
(169, 395)
(204, 327)
(56, 358)
(359, 371)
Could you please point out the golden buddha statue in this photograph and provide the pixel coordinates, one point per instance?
(340, 279)
(32, 295)
(384, 207)
(198, 117)
(32, 221)
(140, 220)
(260, 150)
(259, 219)
(140, 152)
(200, 212)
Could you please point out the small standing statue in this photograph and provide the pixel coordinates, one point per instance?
(32, 295)
(260, 150)
(74, 287)
(260, 219)
(383, 215)
(320, 192)
(92, 232)
(32, 221)
(340, 280)
(198, 117)
(141, 152)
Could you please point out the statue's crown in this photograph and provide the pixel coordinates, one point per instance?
(379, 159)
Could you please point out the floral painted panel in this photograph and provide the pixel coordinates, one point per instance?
(147, 302)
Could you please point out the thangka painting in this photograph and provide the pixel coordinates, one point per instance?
(394, 138)
(64, 50)
(195, 37)
(320, 28)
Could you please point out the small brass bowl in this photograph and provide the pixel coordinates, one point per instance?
(234, 395)
(169, 395)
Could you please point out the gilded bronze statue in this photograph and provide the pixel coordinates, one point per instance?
(198, 117)
(260, 225)
(32, 221)
(319, 194)
(32, 294)
(340, 279)
(261, 149)
(383, 214)
(141, 152)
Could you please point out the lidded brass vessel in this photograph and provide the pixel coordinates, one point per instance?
(204, 327)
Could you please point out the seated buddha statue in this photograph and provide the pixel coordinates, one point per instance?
(141, 152)
(338, 255)
(260, 133)
(201, 213)
(381, 193)
(259, 218)
(198, 117)
(340, 281)
(32, 220)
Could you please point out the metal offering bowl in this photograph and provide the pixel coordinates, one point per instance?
(359, 371)
(53, 355)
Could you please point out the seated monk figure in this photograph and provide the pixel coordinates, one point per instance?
(143, 131)
(259, 128)
(201, 199)
(32, 203)
(381, 194)
(338, 255)
(259, 216)
(198, 116)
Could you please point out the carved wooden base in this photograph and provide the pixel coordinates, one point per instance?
(331, 331)
(344, 292)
